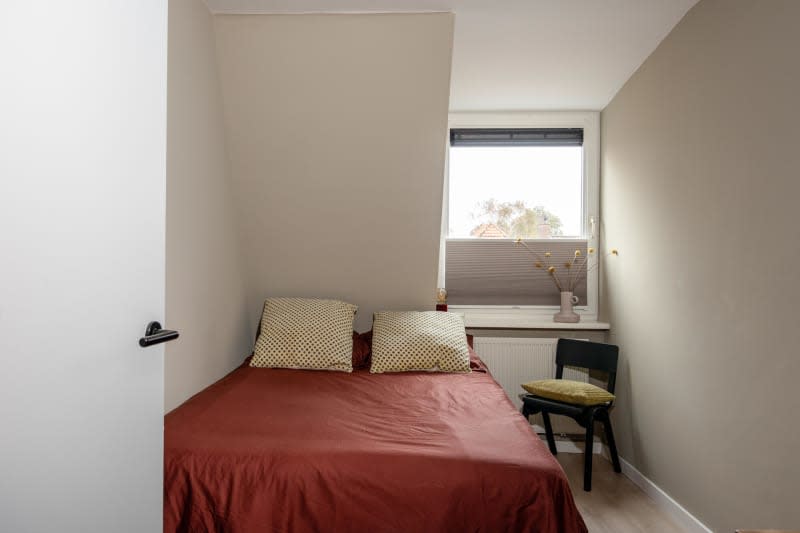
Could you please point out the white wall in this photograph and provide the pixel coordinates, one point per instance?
(699, 193)
(205, 288)
(336, 128)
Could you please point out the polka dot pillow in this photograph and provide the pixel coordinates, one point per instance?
(419, 340)
(305, 333)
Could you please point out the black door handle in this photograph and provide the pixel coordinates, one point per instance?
(155, 335)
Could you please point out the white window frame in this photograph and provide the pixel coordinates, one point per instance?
(498, 316)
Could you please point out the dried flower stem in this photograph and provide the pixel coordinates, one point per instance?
(556, 280)
(577, 267)
(593, 267)
(536, 254)
(575, 273)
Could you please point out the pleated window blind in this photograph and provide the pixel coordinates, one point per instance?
(500, 272)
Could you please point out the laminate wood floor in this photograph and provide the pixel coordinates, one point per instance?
(615, 504)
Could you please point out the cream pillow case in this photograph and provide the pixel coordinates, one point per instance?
(305, 333)
(419, 340)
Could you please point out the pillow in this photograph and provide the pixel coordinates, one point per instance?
(475, 362)
(361, 348)
(564, 390)
(305, 333)
(419, 340)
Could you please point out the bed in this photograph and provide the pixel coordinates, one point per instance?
(302, 451)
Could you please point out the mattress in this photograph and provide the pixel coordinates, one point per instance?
(302, 451)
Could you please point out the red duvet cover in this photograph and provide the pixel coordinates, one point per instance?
(300, 451)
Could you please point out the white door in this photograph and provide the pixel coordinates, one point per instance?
(82, 198)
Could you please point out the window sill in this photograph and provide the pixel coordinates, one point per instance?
(519, 319)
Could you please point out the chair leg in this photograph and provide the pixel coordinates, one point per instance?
(548, 430)
(612, 445)
(587, 453)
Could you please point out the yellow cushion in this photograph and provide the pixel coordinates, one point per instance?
(564, 390)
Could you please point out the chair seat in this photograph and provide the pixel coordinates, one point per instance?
(566, 391)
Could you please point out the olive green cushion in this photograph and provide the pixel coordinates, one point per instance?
(564, 390)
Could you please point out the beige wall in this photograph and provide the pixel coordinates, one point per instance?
(699, 192)
(205, 298)
(336, 128)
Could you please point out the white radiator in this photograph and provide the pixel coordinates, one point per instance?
(513, 361)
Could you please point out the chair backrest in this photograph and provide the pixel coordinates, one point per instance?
(591, 355)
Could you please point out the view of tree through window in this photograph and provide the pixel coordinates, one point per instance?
(515, 219)
(531, 192)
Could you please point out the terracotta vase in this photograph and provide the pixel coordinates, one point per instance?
(567, 314)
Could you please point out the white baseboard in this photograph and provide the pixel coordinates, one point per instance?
(663, 500)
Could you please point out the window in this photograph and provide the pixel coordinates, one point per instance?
(530, 176)
(517, 183)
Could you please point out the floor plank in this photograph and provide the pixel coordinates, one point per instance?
(615, 504)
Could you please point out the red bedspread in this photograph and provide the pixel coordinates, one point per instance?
(300, 450)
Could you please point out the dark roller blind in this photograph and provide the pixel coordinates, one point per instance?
(516, 137)
(499, 272)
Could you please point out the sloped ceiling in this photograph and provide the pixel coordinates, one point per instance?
(524, 54)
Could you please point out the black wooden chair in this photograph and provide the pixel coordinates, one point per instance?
(592, 356)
